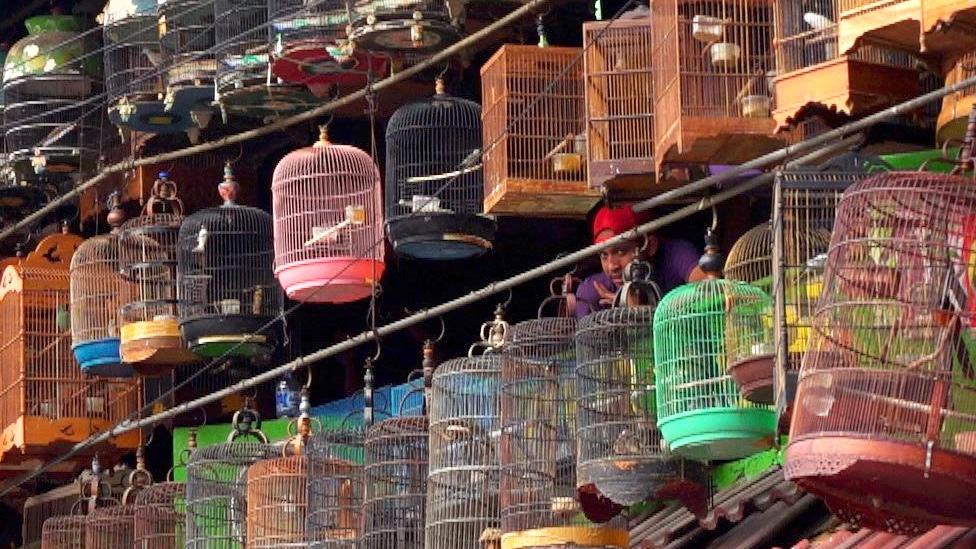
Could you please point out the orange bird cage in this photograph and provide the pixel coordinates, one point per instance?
(619, 118)
(64, 532)
(159, 520)
(46, 403)
(534, 132)
(110, 527)
(956, 107)
(929, 26)
(712, 102)
(884, 425)
(814, 75)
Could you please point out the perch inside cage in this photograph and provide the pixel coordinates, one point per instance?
(328, 223)
(187, 37)
(698, 329)
(401, 26)
(887, 390)
(335, 487)
(434, 183)
(225, 277)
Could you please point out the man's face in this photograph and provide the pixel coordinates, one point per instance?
(616, 258)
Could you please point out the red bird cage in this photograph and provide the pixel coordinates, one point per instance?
(884, 425)
(328, 223)
(159, 520)
(535, 133)
(110, 527)
(64, 532)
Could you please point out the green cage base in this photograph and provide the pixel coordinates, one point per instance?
(222, 348)
(719, 434)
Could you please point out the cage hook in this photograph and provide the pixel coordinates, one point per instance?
(379, 346)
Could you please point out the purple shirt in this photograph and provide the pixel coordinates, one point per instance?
(673, 262)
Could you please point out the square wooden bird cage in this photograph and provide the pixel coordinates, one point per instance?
(814, 76)
(929, 26)
(712, 102)
(619, 116)
(46, 402)
(954, 116)
(534, 133)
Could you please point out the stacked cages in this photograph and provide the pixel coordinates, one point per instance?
(63, 532)
(109, 527)
(335, 488)
(404, 26)
(886, 402)
(187, 39)
(462, 487)
(159, 520)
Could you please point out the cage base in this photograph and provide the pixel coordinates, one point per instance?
(309, 63)
(629, 479)
(335, 280)
(261, 100)
(441, 236)
(754, 377)
(567, 537)
(152, 117)
(227, 335)
(153, 347)
(185, 98)
(396, 35)
(101, 358)
(719, 433)
(895, 486)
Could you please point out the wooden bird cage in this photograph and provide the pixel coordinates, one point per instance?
(328, 223)
(188, 58)
(703, 332)
(750, 259)
(712, 102)
(538, 449)
(814, 76)
(64, 532)
(159, 519)
(229, 297)
(110, 527)
(534, 133)
(934, 27)
(956, 108)
(46, 402)
(405, 26)
(277, 502)
(335, 488)
(462, 487)
(434, 185)
(885, 415)
(619, 79)
(396, 484)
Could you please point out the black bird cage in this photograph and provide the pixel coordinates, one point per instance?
(400, 26)
(244, 84)
(187, 39)
(434, 183)
(225, 279)
(335, 488)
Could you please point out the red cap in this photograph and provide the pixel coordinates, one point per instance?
(610, 222)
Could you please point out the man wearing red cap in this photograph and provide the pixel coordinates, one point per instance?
(675, 261)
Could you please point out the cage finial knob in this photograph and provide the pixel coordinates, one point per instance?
(711, 262)
(323, 137)
(540, 28)
(228, 188)
(116, 215)
(439, 87)
(64, 227)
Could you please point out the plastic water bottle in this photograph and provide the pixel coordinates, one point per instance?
(286, 398)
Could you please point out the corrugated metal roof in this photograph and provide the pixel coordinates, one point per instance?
(940, 537)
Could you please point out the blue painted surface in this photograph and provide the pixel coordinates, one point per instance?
(101, 357)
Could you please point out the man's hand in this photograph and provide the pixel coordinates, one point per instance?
(606, 296)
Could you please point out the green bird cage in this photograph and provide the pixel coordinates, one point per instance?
(701, 330)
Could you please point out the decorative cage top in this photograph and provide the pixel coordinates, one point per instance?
(110, 527)
(335, 487)
(750, 259)
(96, 290)
(465, 428)
(432, 157)
(64, 532)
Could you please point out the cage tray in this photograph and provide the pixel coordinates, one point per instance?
(441, 236)
(719, 433)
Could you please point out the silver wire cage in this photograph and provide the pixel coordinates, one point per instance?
(396, 454)
(335, 488)
(243, 48)
(750, 259)
(131, 56)
(159, 520)
(64, 532)
(464, 476)
(109, 527)
(187, 38)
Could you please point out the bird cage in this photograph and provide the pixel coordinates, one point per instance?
(405, 26)
(96, 288)
(538, 450)
(434, 184)
(133, 84)
(956, 107)
(534, 133)
(216, 488)
(619, 118)
(150, 337)
(46, 403)
(225, 279)
(48, 77)
(188, 60)
(309, 46)
(335, 488)
(814, 76)
(885, 415)
(244, 84)
(703, 332)
(109, 527)
(712, 102)
(395, 474)
(328, 223)
(750, 259)
(64, 532)
(159, 518)
(934, 27)
(462, 485)
(804, 205)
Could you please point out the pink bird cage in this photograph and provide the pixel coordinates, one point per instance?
(328, 223)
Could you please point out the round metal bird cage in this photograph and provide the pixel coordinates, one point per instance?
(885, 414)
(750, 259)
(187, 40)
(463, 480)
(310, 46)
(703, 331)
(398, 26)
(225, 279)
(96, 289)
(434, 183)
(395, 474)
(159, 521)
(64, 532)
(277, 502)
(537, 496)
(335, 488)
(328, 223)
(216, 493)
(109, 527)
